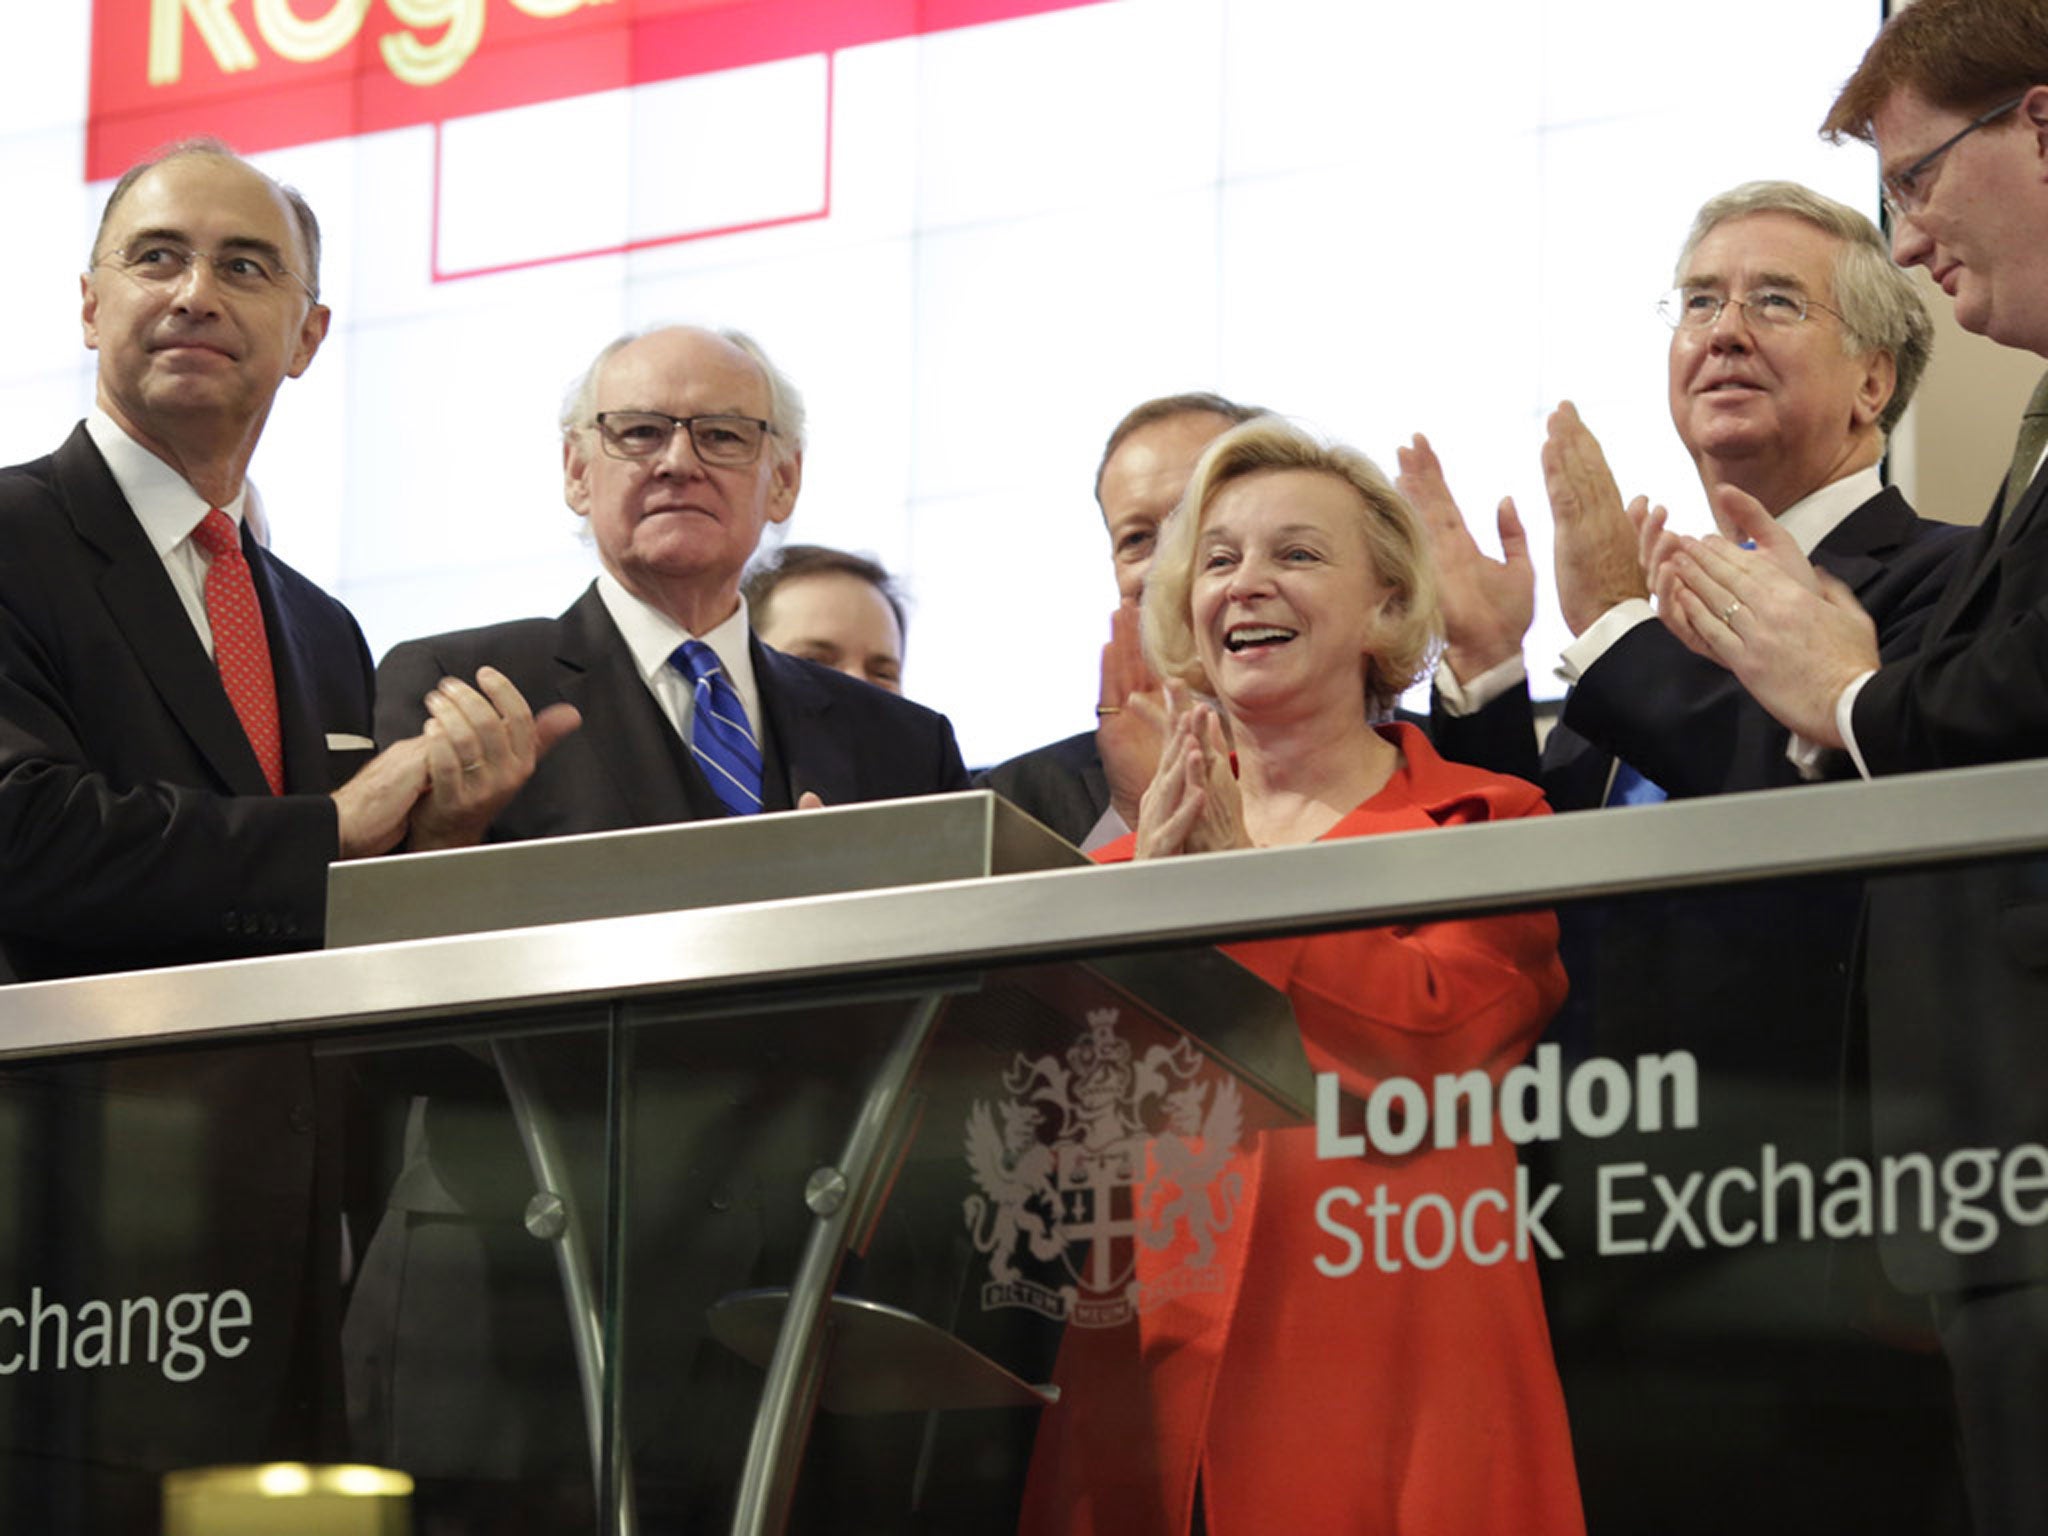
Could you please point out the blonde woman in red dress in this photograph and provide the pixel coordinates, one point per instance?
(1292, 588)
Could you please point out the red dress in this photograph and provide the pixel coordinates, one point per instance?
(1421, 1401)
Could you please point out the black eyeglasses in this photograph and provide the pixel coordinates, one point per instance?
(1904, 193)
(647, 434)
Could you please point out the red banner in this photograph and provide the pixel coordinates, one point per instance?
(264, 74)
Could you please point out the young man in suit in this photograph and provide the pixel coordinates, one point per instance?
(833, 607)
(1954, 96)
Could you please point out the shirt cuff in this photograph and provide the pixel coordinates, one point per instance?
(1845, 721)
(1460, 699)
(1577, 658)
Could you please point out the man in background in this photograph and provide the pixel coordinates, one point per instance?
(1087, 787)
(840, 610)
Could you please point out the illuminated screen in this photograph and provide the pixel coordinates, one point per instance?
(973, 231)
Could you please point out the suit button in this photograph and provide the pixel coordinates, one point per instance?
(252, 924)
(300, 1118)
(231, 920)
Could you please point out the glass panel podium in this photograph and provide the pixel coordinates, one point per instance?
(937, 1184)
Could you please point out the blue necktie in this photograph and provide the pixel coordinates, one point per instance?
(1629, 787)
(719, 738)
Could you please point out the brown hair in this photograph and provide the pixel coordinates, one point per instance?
(795, 560)
(1960, 55)
(1195, 403)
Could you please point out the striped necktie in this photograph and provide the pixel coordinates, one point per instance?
(719, 737)
(241, 648)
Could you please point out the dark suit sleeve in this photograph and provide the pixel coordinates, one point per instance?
(1685, 721)
(1501, 737)
(951, 771)
(104, 864)
(1060, 785)
(1971, 697)
(406, 675)
(1977, 690)
(1678, 718)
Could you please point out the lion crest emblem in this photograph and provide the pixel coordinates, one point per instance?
(1103, 1178)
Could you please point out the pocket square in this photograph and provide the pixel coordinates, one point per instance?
(341, 741)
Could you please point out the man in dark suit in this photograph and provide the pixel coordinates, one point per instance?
(1086, 787)
(680, 447)
(180, 717)
(142, 826)
(1796, 346)
(1951, 94)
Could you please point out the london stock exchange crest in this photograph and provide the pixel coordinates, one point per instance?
(1092, 1168)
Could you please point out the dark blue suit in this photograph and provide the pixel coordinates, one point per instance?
(137, 825)
(136, 829)
(1684, 721)
(1755, 984)
(721, 1133)
(841, 738)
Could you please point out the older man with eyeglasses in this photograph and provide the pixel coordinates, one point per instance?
(1954, 96)
(679, 447)
(1795, 348)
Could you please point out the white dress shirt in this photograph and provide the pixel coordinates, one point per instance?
(652, 636)
(168, 509)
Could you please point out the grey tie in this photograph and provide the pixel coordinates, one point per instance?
(2026, 454)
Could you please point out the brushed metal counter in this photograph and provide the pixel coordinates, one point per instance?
(1898, 823)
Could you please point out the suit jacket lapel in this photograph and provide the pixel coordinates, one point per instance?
(800, 750)
(1854, 552)
(2000, 529)
(146, 609)
(294, 662)
(642, 761)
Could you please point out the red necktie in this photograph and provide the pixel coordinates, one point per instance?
(241, 649)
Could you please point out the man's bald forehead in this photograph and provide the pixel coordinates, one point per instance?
(299, 215)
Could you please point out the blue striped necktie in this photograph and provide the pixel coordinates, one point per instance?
(719, 738)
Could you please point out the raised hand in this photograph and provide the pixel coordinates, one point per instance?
(1130, 715)
(1488, 604)
(1793, 636)
(1595, 545)
(482, 745)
